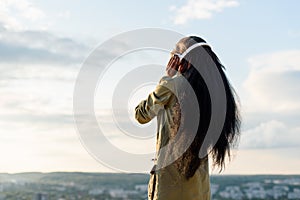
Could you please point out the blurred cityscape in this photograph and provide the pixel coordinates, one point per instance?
(114, 186)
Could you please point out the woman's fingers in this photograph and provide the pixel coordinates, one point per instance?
(172, 66)
(173, 62)
(170, 61)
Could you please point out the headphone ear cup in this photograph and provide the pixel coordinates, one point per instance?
(183, 67)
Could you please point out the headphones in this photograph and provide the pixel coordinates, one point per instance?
(181, 56)
(182, 68)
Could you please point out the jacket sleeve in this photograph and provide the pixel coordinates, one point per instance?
(147, 109)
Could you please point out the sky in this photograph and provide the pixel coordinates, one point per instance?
(43, 45)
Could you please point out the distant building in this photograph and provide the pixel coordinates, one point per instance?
(40, 196)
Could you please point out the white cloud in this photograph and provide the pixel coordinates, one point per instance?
(37, 75)
(273, 83)
(39, 47)
(27, 9)
(11, 11)
(64, 14)
(271, 134)
(271, 100)
(200, 9)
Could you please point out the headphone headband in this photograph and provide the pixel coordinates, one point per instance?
(190, 48)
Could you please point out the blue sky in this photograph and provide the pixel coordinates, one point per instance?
(43, 44)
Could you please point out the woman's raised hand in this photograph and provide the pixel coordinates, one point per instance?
(173, 65)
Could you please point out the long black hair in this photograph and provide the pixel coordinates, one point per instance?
(190, 161)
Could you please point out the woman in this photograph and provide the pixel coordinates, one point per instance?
(184, 175)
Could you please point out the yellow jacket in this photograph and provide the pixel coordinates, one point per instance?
(167, 183)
